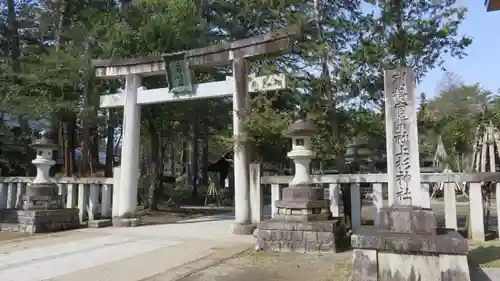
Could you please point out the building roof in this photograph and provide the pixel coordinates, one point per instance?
(492, 5)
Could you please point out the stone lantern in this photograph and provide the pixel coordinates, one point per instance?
(303, 221)
(43, 209)
(42, 193)
(302, 199)
(301, 132)
(44, 148)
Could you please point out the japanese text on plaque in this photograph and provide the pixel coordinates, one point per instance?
(401, 140)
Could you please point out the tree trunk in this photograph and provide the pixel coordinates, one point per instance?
(69, 154)
(184, 156)
(193, 157)
(204, 156)
(110, 132)
(13, 37)
(154, 150)
(86, 117)
(94, 163)
(57, 134)
(173, 158)
(326, 92)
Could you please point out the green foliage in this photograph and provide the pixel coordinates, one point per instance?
(335, 73)
(266, 123)
(455, 115)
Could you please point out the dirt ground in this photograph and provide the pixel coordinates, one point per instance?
(264, 266)
(7, 236)
(166, 215)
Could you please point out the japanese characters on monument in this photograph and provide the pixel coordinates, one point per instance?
(402, 139)
(402, 152)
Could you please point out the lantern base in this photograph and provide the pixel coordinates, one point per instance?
(279, 235)
(39, 221)
(313, 210)
(42, 196)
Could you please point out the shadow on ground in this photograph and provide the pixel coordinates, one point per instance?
(182, 216)
(480, 275)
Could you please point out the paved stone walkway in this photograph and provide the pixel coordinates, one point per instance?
(155, 253)
(486, 274)
(125, 254)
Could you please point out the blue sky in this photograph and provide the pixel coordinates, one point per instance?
(482, 65)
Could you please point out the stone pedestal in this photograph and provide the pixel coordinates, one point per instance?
(39, 221)
(42, 196)
(405, 245)
(280, 235)
(302, 224)
(43, 211)
(303, 203)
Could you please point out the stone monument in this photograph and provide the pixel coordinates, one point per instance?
(404, 244)
(43, 208)
(303, 221)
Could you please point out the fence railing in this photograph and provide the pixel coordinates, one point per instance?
(476, 214)
(91, 195)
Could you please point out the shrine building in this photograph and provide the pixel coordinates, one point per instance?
(492, 5)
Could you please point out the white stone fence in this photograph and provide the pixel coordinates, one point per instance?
(91, 195)
(377, 181)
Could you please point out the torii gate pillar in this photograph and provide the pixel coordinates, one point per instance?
(127, 196)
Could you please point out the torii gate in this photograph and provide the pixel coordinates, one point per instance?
(177, 66)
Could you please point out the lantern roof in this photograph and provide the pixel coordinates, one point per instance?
(44, 142)
(301, 127)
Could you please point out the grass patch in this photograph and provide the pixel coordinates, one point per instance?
(484, 254)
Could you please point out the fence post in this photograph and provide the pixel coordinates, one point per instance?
(355, 207)
(82, 201)
(275, 196)
(21, 190)
(425, 196)
(71, 196)
(93, 201)
(106, 201)
(11, 195)
(476, 212)
(378, 199)
(334, 194)
(450, 206)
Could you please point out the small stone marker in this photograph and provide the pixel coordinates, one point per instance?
(404, 244)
